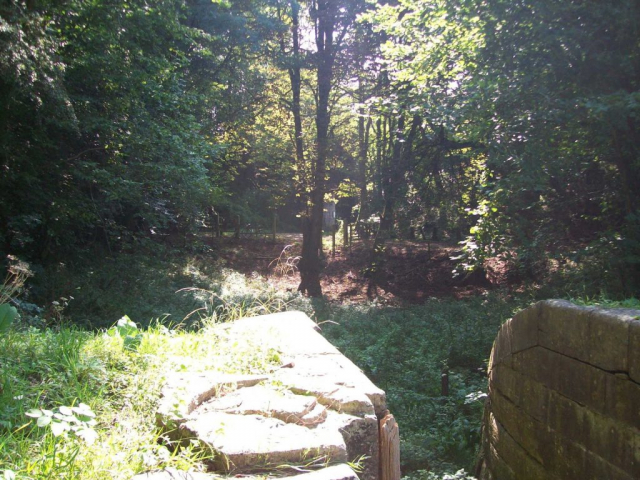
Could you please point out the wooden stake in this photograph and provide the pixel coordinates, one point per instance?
(333, 242)
(275, 224)
(345, 234)
(389, 448)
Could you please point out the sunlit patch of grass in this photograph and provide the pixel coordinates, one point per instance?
(46, 369)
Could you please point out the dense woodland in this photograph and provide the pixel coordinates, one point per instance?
(509, 126)
(138, 137)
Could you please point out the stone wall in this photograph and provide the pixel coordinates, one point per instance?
(317, 412)
(564, 396)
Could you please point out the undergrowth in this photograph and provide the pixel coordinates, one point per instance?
(405, 351)
(175, 288)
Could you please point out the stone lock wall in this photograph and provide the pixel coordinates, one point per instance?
(317, 412)
(564, 396)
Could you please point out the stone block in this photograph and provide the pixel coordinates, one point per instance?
(564, 328)
(609, 339)
(634, 351)
(501, 470)
(572, 378)
(360, 436)
(327, 410)
(566, 418)
(328, 374)
(564, 459)
(495, 465)
(501, 351)
(507, 381)
(526, 431)
(535, 399)
(261, 400)
(599, 469)
(514, 455)
(623, 399)
(614, 442)
(185, 391)
(523, 328)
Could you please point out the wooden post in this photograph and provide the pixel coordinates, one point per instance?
(389, 448)
(351, 235)
(218, 232)
(333, 242)
(275, 224)
(444, 383)
(237, 226)
(345, 234)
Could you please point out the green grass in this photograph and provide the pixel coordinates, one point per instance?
(46, 369)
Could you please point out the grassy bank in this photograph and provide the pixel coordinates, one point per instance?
(109, 381)
(117, 376)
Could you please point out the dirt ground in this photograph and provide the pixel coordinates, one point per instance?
(409, 271)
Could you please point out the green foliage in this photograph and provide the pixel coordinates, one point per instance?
(77, 421)
(113, 117)
(8, 314)
(405, 350)
(128, 331)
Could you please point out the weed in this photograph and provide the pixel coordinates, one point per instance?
(286, 264)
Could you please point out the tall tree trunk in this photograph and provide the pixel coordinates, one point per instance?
(294, 77)
(310, 266)
(391, 181)
(379, 147)
(364, 128)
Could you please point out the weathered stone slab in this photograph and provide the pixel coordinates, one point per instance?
(329, 372)
(242, 442)
(321, 406)
(312, 355)
(341, 399)
(501, 351)
(336, 472)
(261, 400)
(357, 432)
(315, 416)
(173, 474)
(184, 391)
(291, 332)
